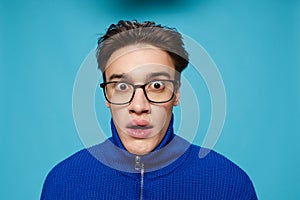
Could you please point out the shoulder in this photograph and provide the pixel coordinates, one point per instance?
(77, 163)
(221, 173)
(68, 165)
(70, 170)
(212, 159)
(77, 171)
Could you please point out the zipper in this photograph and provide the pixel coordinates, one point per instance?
(139, 166)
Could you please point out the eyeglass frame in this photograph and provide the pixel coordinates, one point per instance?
(142, 86)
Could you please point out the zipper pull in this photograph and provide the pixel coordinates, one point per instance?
(138, 164)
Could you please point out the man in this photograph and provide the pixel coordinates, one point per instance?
(141, 65)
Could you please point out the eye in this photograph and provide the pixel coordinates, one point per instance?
(121, 86)
(157, 85)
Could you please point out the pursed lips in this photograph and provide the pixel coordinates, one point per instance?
(139, 124)
(139, 128)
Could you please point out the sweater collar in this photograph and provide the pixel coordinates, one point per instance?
(115, 139)
(171, 150)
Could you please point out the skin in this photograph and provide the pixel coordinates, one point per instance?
(139, 63)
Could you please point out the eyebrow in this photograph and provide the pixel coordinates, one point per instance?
(154, 74)
(149, 76)
(117, 76)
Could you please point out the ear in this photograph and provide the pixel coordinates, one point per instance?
(107, 104)
(177, 96)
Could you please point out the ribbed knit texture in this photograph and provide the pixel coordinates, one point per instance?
(82, 176)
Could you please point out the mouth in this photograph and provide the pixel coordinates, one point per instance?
(136, 127)
(139, 131)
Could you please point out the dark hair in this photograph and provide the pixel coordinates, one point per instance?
(126, 33)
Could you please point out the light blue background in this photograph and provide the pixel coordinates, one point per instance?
(256, 45)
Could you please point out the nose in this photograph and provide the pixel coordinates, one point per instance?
(139, 103)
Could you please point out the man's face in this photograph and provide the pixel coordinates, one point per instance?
(141, 124)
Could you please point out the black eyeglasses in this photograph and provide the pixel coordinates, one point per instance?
(156, 91)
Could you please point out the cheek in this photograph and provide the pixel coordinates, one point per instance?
(160, 114)
(119, 115)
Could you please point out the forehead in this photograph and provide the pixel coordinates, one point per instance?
(139, 61)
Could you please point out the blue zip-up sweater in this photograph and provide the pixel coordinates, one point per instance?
(172, 171)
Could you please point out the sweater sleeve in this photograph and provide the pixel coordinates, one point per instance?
(246, 190)
(51, 186)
